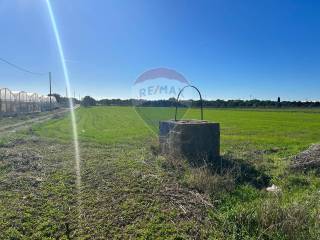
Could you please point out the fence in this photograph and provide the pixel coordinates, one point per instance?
(22, 102)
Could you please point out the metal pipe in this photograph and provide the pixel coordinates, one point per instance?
(177, 101)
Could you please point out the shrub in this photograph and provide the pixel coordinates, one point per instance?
(88, 101)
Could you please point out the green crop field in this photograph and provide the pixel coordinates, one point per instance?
(291, 131)
(129, 190)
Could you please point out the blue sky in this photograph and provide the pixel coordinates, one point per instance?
(229, 49)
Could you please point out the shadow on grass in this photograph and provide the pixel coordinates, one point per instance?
(225, 169)
(243, 172)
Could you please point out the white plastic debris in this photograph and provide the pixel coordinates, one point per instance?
(273, 188)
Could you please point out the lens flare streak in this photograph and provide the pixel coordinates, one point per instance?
(67, 80)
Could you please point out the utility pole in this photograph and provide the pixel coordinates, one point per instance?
(50, 91)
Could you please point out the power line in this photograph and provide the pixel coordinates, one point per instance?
(21, 68)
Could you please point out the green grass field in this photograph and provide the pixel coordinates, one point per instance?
(130, 191)
(291, 131)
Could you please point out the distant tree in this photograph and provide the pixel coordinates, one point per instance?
(57, 96)
(88, 101)
(279, 102)
(253, 103)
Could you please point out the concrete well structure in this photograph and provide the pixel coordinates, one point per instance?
(196, 140)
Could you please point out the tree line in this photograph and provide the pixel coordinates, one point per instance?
(64, 101)
(254, 103)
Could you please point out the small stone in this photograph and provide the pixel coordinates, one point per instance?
(38, 179)
(273, 188)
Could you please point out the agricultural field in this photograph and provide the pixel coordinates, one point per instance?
(129, 190)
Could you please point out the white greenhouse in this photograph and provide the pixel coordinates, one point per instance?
(13, 102)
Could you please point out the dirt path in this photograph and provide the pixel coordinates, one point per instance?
(23, 124)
